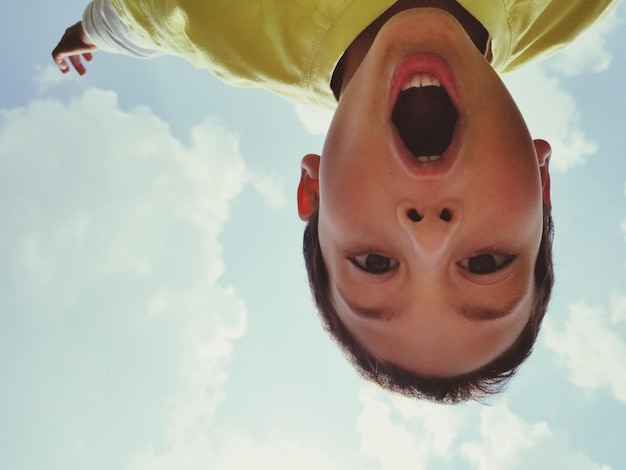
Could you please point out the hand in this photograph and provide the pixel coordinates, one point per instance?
(72, 45)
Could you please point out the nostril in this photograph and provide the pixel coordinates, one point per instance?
(413, 215)
(445, 215)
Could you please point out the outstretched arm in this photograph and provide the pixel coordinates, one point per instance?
(100, 29)
(72, 46)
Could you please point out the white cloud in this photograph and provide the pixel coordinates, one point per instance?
(234, 449)
(618, 309)
(550, 111)
(505, 437)
(551, 114)
(101, 192)
(49, 76)
(508, 441)
(590, 347)
(590, 51)
(315, 120)
(111, 227)
(107, 208)
(400, 433)
(243, 453)
(268, 187)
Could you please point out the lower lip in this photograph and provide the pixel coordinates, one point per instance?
(422, 63)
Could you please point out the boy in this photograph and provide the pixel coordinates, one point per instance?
(428, 243)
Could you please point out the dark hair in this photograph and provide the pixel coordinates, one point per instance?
(489, 379)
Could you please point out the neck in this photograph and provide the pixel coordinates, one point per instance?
(360, 46)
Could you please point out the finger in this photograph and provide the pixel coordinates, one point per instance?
(64, 67)
(78, 65)
(59, 59)
(88, 57)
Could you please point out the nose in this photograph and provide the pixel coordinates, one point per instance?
(445, 215)
(430, 228)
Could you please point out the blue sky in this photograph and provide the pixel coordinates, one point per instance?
(154, 312)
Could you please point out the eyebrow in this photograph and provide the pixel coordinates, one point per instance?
(475, 313)
(380, 313)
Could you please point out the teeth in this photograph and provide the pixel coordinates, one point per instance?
(421, 79)
(430, 158)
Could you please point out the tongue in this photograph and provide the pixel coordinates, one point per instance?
(425, 118)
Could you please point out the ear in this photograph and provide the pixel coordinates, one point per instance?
(308, 187)
(544, 152)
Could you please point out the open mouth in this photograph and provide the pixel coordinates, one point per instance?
(424, 117)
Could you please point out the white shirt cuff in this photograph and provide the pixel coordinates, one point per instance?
(104, 28)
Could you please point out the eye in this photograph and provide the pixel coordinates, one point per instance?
(486, 263)
(373, 263)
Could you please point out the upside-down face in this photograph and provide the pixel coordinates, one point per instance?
(430, 201)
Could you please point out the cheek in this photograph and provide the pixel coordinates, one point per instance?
(342, 215)
(515, 200)
(520, 216)
(522, 195)
(353, 188)
(509, 206)
(352, 129)
(508, 180)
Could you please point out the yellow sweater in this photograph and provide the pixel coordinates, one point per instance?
(291, 47)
